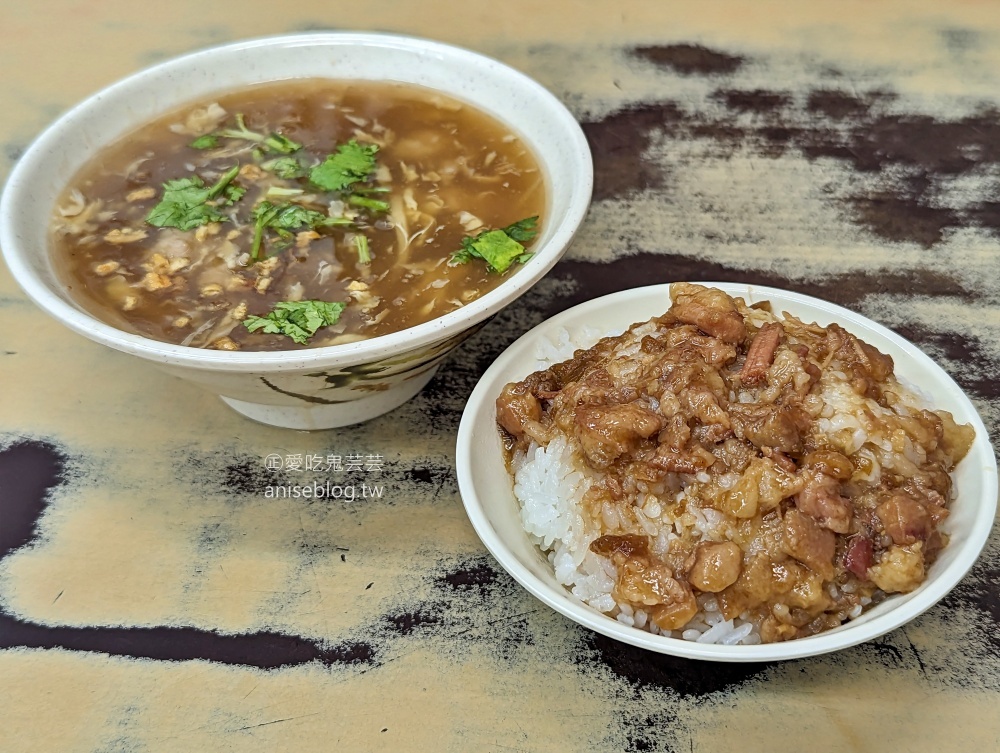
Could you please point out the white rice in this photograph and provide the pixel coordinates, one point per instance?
(550, 489)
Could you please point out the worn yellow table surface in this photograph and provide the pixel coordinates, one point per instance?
(152, 598)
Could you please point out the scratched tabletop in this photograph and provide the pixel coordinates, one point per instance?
(154, 597)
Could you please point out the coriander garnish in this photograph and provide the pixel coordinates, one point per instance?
(350, 164)
(283, 218)
(298, 320)
(499, 248)
(186, 201)
(273, 142)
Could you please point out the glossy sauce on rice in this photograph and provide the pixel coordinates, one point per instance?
(724, 474)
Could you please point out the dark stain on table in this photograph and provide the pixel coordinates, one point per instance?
(29, 471)
(243, 477)
(903, 216)
(932, 146)
(246, 476)
(428, 474)
(759, 101)
(472, 587)
(619, 143)
(685, 677)
(979, 590)
(263, 650)
(475, 575)
(912, 159)
(689, 59)
(407, 622)
(839, 105)
(978, 373)
(649, 267)
(229, 470)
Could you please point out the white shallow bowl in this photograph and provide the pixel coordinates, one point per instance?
(486, 486)
(318, 387)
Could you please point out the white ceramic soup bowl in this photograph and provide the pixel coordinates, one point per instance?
(487, 492)
(327, 386)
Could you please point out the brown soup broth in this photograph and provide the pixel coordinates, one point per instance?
(451, 171)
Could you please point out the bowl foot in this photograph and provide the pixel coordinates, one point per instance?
(313, 416)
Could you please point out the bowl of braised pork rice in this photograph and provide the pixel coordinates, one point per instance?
(305, 225)
(726, 472)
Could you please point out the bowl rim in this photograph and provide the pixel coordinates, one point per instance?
(13, 199)
(849, 634)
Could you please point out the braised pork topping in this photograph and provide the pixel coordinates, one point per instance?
(810, 480)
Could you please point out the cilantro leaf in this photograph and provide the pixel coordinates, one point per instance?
(274, 142)
(364, 202)
(351, 163)
(232, 193)
(466, 253)
(288, 216)
(523, 231)
(285, 167)
(284, 218)
(274, 191)
(361, 244)
(208, 141)
(298, 320)
(277, 142)
(184, 204)
(498, 248)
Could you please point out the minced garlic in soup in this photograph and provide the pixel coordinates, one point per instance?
(300, 213)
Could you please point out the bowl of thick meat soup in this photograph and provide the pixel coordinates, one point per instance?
(726, 472)
(305, 225)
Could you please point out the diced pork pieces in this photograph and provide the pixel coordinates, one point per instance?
(608, 432)
(711, 473)
(761, 353)
(516, 406)
(821, 499)
(715, 565)
(710, 310)
(904, 519)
